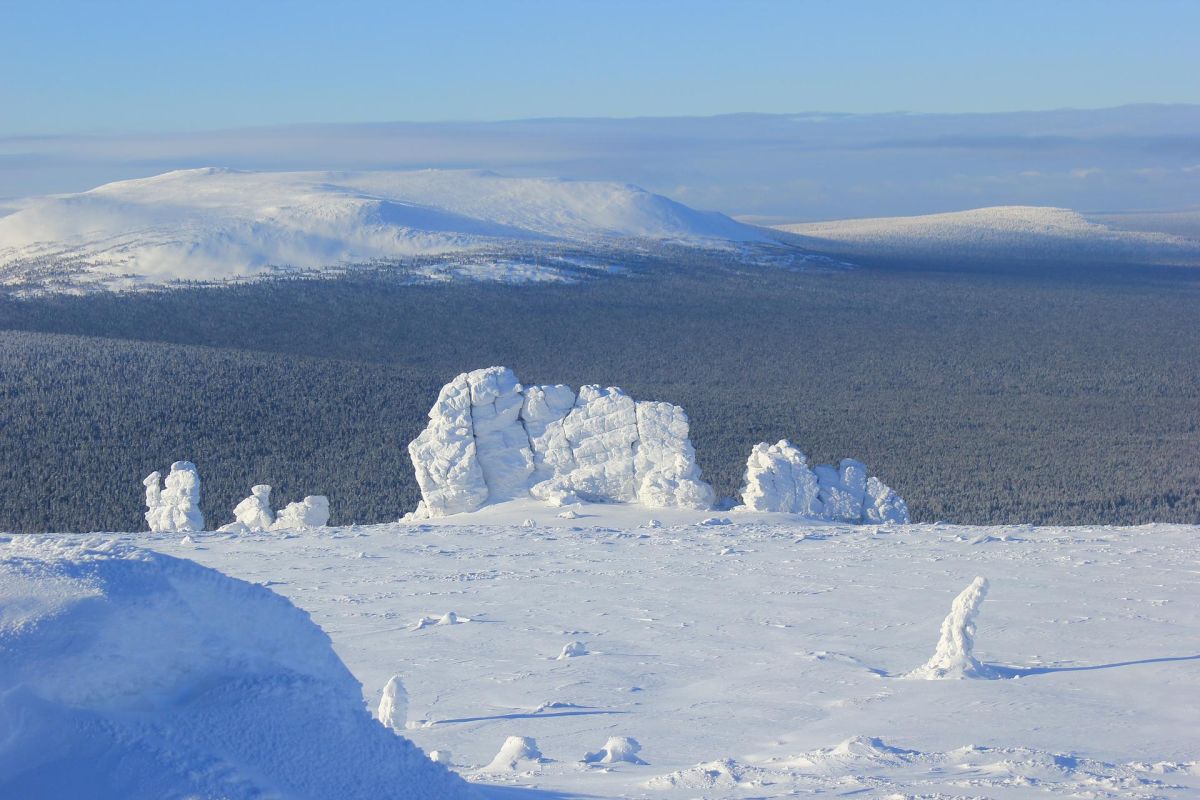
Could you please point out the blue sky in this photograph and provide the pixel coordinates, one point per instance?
(120, 67)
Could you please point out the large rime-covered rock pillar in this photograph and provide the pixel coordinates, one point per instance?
(491, 439)
(664, 461)
(501, 443)
(175, 508)
(778, 478)
(444, 455)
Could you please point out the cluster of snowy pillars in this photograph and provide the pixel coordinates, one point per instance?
(176, 508)
(491, 439)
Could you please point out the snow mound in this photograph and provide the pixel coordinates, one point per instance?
(778, 478)
(999, 231)
(175, 508)
(573, 650)
(129, 674)
(953, 658)
(491, 439)
(517, 753)
(618, 749)
(215, 224)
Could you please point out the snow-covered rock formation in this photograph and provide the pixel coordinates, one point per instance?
(778, 478)
(175, 508)
(311, 512)
(517, 752)
(126, 674)
(491, 439)
(393, 705)
(953, 657)
(617, 750)
(255, 511)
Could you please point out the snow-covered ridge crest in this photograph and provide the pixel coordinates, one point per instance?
(491, 439)
(216, 224)
(999, 231)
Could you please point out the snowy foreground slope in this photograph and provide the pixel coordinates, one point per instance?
(762, 658)
(1000, 232)
(216, 224)
(131, 675)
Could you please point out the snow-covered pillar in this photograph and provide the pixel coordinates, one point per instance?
(393, 706)
(153, 484)
(255, 511)
(953, 657)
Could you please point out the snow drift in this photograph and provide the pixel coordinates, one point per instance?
(491, 439)
(778, 479)
(129, 674)
(215, 224)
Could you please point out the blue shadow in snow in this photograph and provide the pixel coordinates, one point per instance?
(529, 715)
(489, 792)
(1023, 672)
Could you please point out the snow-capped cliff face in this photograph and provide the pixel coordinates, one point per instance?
(998, 232)
(490, 439)
(214, 224)
(134, 675)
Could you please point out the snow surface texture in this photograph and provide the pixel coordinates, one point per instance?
(175, 508)
(953, 657)
(778, 479)
(131, 675)
(774, 670)
(217, 224)
(489, 439)
(997, 232)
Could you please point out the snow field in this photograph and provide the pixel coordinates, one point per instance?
(775, 668)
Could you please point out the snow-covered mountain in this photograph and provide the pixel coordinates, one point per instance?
(998, 232)
(216, 224)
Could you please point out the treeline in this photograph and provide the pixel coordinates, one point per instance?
(981, 397)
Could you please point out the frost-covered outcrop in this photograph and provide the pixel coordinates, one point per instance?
(778, 478)
(311, 512)
(393, 705)
(255, 511)
(130, 675)
(175, 508)
(953, 657)
(490, 439)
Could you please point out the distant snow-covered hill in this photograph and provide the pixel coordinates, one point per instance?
(216, 224)
(1027, 232)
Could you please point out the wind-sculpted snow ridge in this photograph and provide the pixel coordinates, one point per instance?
(778, 479)
(490, 439)
(219, 224)
(131, 675)
(175, 508)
